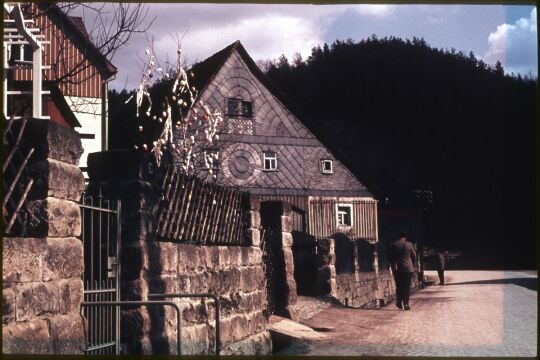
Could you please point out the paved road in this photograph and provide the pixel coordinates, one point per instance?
(478, 313)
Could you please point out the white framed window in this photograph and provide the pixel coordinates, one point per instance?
(269, 161)
(327, 166)
(344, 214)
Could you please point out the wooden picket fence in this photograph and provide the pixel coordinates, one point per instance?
(16, 185)
(198, 212)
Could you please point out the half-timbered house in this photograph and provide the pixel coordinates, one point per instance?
(270, 149)
(52, 70)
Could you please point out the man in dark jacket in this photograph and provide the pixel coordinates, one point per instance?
(402, 260)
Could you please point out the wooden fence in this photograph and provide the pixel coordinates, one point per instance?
(16, 186)
(198, 212)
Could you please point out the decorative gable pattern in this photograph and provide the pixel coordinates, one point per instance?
(269, 126)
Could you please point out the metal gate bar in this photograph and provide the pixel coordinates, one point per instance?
(218, 305)
(119, 304)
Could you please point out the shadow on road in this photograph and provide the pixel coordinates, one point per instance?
(529, 283)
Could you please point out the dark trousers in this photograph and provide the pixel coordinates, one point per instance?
(441, 276)
(403, 287)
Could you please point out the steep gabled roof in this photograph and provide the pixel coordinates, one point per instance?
(206, 70)
(79, 36)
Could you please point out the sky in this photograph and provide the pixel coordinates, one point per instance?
(492, 32)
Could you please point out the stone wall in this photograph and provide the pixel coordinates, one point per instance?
(43, 259)
(362, 289)
(234, 273)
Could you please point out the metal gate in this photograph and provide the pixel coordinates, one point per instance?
(100, 235)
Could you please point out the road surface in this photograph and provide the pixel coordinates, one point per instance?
(477, 313)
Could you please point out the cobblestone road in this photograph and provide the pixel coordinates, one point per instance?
(478, 313)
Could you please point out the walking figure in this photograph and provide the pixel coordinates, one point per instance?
(402, 260)
(441, 264)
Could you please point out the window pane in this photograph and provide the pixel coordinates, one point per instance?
(246, 108)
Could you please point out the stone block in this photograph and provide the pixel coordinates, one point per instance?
(224, 257)
(286, 223)
(30, 337)
(36, 299)
(234, 328)
(251, 255)
(256, 345)
(135, 323)
(51, 140)
(199, 282)
(256, 322)
(53, 178)
(252, 219)
(63, 259)
(138, 226)
(67, 334)
(163, 284)
(22, 259)
(252, 237)
(71, 296)
(191, 257)
(50, 217)
(195, 340)
(8, 305)
(134, 259)
(326, 246)
(235, 255)
(166, 255)
(184, 284)
(134, 290)
(286, 239)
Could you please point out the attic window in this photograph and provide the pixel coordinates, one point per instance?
(344, 214)
(237, 107)
(269, 161)
(327, 166)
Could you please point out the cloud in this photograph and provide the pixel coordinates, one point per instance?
(265, 37)
(514, 45)
(374, 10)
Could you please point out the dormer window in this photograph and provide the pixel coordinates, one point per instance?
(270, 161)
(238, 107)
(327, 166)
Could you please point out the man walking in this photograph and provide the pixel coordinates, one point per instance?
(441, 264)
(402, 260)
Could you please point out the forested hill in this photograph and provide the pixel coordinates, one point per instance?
(408, 116)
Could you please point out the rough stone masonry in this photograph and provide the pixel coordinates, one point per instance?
(43, 261)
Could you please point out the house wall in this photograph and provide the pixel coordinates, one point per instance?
(88, 113)
(63, 54)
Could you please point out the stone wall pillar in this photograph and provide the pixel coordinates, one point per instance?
(130, 176)
(326, 277)
(42, 257)
(277, 216)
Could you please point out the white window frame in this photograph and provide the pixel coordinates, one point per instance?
(271, 159)
(338, 213)
(323, 165)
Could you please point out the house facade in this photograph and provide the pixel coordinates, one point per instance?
(53, 71)
(271, 151)
(268, 148)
